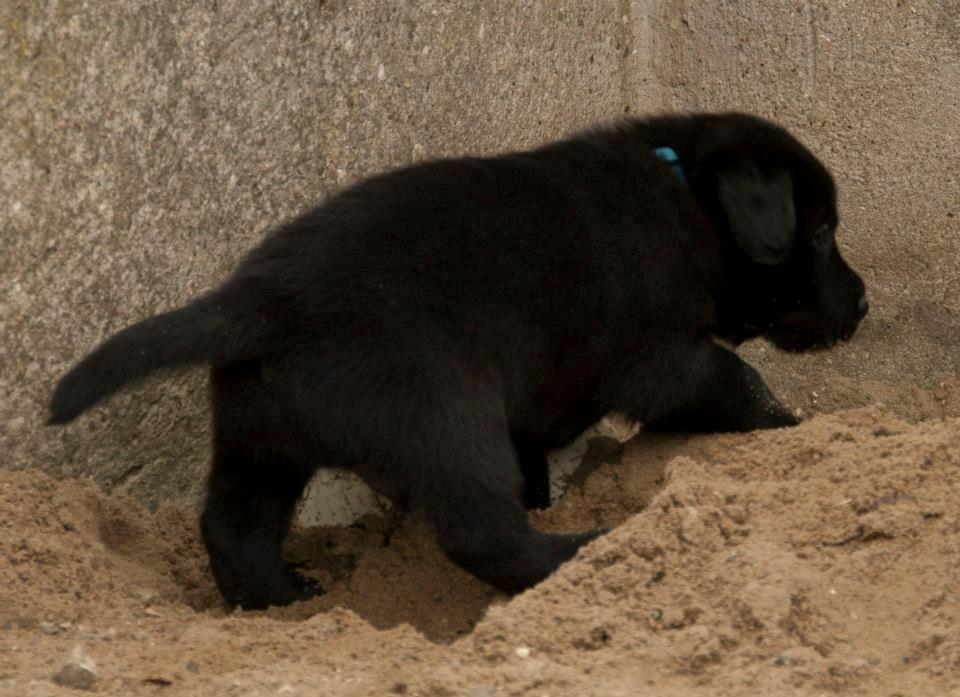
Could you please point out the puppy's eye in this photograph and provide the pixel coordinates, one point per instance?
(822, 236)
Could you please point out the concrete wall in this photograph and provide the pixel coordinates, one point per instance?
(147, 145)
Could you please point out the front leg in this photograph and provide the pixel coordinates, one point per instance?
(536, 474)
(701, 389)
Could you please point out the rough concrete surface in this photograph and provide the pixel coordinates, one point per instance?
(146, 145)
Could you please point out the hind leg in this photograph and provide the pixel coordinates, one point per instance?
(247, 513)
(256, 480)
(460, 468)
(486, 532)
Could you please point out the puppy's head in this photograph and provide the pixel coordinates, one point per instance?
(775, 205)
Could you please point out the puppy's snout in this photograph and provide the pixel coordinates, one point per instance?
(862, 307)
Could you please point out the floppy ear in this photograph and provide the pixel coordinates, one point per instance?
(760, 211)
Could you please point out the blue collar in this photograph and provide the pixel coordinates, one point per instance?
(669, 155)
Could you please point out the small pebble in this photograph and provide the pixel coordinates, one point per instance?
(158, 681)
(522, 651)
(48, 628)
(193, 667)
(674, 618)
(79, 673)
(146, 596)
(796, 656)
(75, 677)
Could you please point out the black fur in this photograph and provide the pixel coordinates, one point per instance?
(439, 328)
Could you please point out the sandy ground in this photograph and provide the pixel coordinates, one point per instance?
(820, 559)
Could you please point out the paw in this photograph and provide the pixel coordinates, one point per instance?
(285, 587)
(590, 536)
(304, 586)
(567, 545)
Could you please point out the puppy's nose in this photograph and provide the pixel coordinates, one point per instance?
(862, 307)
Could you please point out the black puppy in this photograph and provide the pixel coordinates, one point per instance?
(437, 329)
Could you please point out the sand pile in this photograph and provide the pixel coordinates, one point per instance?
(821, 559)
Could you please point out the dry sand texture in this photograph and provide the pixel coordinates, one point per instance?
(820, 560)
(147, 145)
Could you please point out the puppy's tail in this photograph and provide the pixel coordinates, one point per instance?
(215, 328)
